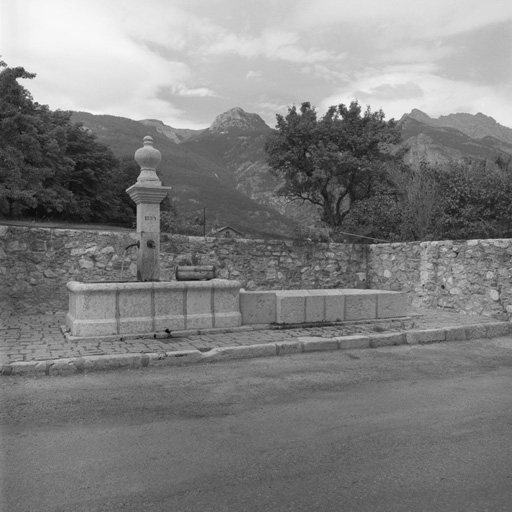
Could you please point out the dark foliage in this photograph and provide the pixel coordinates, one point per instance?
(51, 168)
(333, 162)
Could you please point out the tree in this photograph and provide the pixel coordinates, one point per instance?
(332, 162)
(50, 167)
(32, 148)
(474, 199)
(418, 192)
(92, 178)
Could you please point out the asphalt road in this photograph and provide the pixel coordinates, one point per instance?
(427, 428)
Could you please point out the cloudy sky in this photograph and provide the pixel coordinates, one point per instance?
(186, 61)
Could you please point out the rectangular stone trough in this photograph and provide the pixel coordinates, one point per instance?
(109, 308)
(311, 306)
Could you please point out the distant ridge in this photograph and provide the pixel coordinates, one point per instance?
(453, 138)
(224, 167)
(476, 126)
(175, 134)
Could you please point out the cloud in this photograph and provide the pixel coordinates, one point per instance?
(199, 92)
(180, 30)
(387, 92)
(270, 44)
(417, 19)
(100, 68)
(324, 72)
(183, 60)
(398, 90)
(253, 75)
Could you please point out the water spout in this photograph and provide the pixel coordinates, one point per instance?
(136, 244)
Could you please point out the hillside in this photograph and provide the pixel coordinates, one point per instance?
(197, 182)
(223, 167)
(236, 141)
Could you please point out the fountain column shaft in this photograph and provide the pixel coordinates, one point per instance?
(148, 193)
(148, 236)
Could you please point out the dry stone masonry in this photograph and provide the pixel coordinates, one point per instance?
(473, 276)
(36, 263)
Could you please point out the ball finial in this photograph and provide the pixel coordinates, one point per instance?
(148, 158)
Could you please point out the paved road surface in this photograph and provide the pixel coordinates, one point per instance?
(422, 428)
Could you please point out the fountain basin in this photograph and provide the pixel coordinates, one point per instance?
(319, 306)
(117, 308)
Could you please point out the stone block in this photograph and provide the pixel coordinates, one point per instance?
(91, 328)
(169, 301)
(497, 329)
(199, 306)
(456, 333)
(226, 304)
(169, 306)
(258, 307)
(98, 363)
(334, 306)
(425, 336)
(178, 358)
(391, 304)
(170, 322)
(290, 307)
(27, 368)
(316, 344)
(128, 325)
(353, 342)
(63, 367)
(289, 347)
(227, 320)
(6, 369)
(226, 296)
(98, 302)
(476, 331)
(129, 360)
(199, 321)
(248, 351)
(360, 306)
(387, 339)
(315, 306)
(143, 307)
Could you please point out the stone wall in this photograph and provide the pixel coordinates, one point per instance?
(473, 276)
(36, 263)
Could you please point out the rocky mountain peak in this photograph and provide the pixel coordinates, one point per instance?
(418, 115)
(236, 119)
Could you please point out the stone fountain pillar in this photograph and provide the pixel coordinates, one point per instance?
(145, 306)
(148, 193)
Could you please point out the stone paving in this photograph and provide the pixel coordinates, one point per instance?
(25, 338)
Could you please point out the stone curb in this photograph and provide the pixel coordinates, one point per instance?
(303, 344)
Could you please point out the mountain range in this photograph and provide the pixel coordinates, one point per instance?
(453, 137)
(223, 168)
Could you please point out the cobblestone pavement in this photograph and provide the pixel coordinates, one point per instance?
(40, 337)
